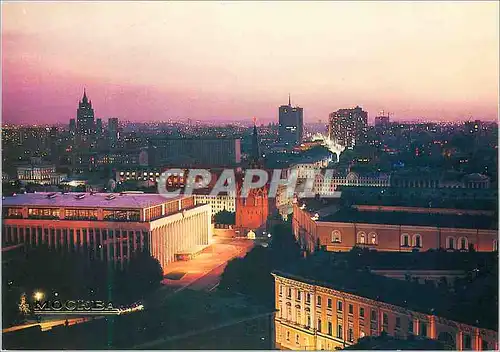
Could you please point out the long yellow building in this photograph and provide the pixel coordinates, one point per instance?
(313, 315)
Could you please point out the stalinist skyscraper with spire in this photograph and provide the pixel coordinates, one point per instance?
(291, 124)
(85, 124)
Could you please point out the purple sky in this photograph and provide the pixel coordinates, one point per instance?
(211, 60)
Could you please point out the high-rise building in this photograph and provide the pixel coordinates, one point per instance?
(85, 116)
(72, 127)
(382, 120)
(348, 127)
(113, 132)
(98, 127)
(290, 123)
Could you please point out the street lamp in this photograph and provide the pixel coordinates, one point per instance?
(38, 295)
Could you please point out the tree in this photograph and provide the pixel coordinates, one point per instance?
(225, 217)
(251, 275)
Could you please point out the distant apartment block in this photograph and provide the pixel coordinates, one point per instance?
(348, 127)
(189, 152)
(39, 173)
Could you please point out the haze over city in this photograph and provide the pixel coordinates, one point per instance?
(231, 61)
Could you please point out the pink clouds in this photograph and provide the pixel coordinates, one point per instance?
(155, 61)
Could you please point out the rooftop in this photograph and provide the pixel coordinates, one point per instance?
(416, 219)
(87, 200)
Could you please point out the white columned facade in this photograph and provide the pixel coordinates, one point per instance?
(180, 232)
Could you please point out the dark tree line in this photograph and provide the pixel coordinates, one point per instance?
(251, 275)
(71, 276)
(225, 217)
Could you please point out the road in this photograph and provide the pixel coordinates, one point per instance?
(48, 324)
(203, 272)
(211, 279)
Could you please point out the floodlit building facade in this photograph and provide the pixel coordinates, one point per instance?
(109, 226)
(219, 202)
(394, 228)
(312, 315)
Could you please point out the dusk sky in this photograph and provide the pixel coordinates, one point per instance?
(235, 60)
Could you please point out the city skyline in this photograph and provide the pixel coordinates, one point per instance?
(232, 61)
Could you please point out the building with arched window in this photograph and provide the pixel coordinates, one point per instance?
(450, 242)
(361, 238)
(393, 228)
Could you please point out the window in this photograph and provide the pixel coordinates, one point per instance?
(339, 332)
(467, 342)
(361, 312)
(299, 295)
(373, 316)
(154, 213)
(450, 242)
(350, 335)
(339, 306)
(289, 293)
(336, 237)
(329, 303)
(373, 238)
(417, 241)
(319, 325)
(423, 329)
(308, 321)
(288, 335)
(405, 240)
(119, 215)
(330, 332)
(13, 213)
(495, 245)
(398, 322)
(484, 345)
(308, 297)
(297, 339)
(410, 326)
(385, 322)
(351, 309)
(281, 290)
(361, 237)
(318, 301)
(464, 245)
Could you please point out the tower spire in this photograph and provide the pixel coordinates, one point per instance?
(84, 99)
(255, 156)
(289, 100)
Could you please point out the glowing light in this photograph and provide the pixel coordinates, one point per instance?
(38, 295)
